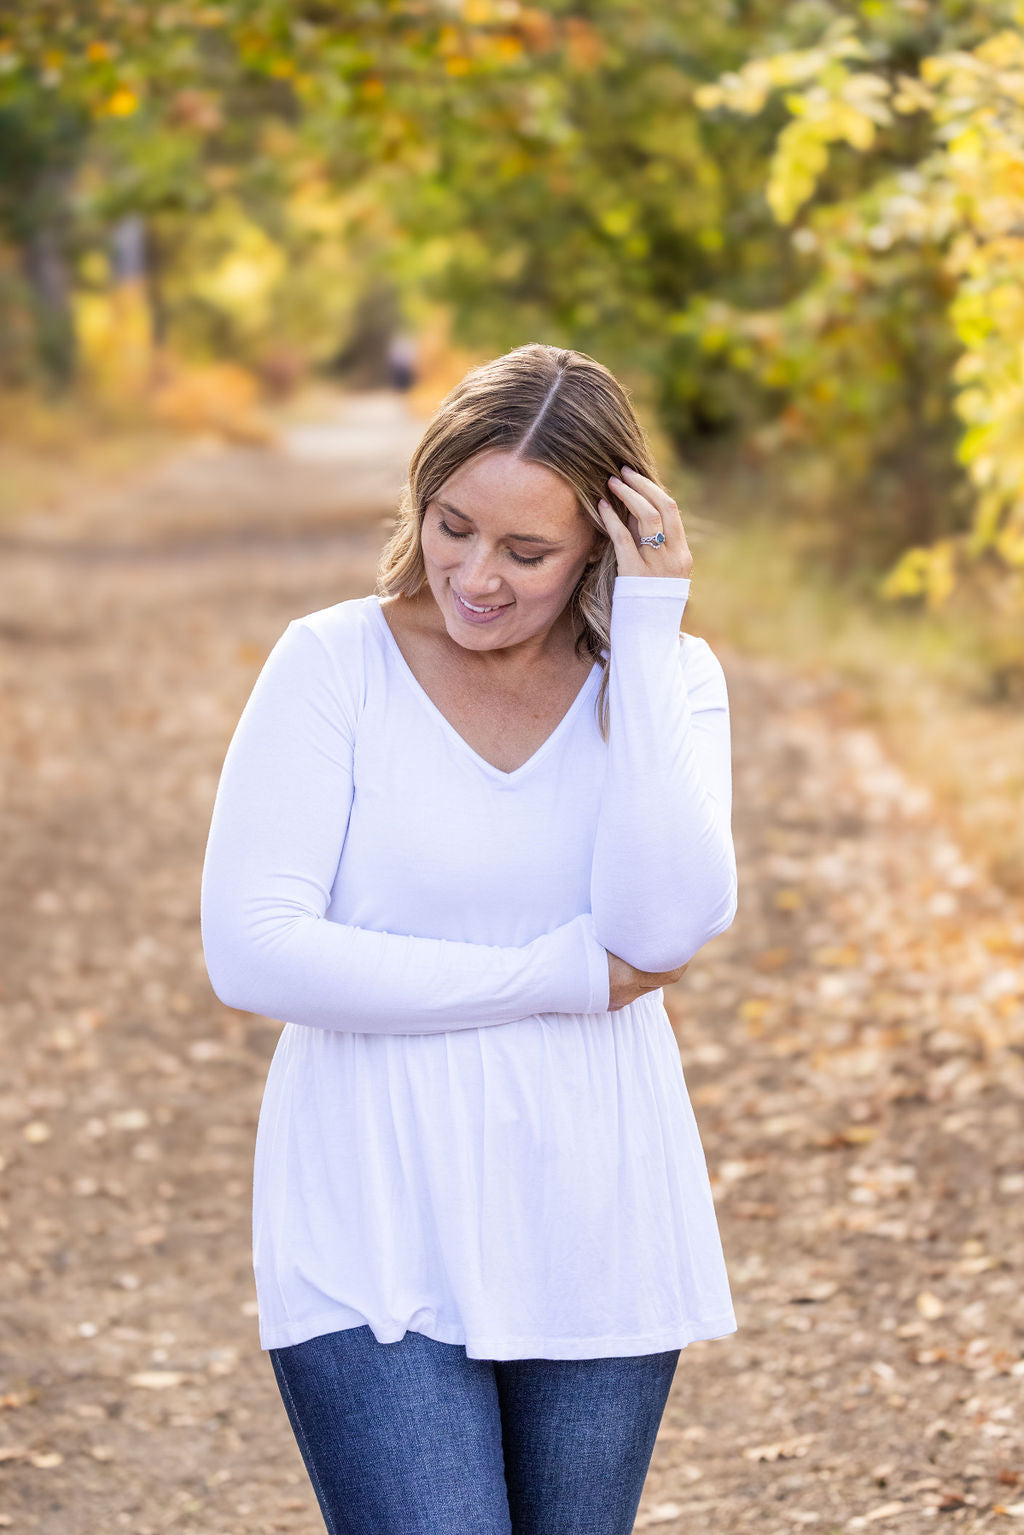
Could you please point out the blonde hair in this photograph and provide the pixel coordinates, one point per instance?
(546, 405)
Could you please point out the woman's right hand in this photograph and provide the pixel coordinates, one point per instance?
(625, 983)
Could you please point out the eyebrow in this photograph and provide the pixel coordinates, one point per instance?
(526, 538)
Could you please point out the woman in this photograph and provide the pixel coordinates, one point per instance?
(467, 828)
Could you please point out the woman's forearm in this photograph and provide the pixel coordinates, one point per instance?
(276, 836)
(308, 970)
(664, 873)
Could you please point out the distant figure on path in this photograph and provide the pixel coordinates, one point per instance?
(467, 828)
(402, 362)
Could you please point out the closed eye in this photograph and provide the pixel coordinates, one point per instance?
(520, 559)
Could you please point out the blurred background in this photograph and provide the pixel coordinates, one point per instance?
(245, 250)
(797, 238)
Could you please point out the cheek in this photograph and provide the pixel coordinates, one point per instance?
(435, 552)
(552, 588)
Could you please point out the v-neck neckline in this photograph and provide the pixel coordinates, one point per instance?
(547, 745)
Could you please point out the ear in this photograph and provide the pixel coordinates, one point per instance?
(597, 548)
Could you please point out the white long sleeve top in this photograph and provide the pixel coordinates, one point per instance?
(456, 1136)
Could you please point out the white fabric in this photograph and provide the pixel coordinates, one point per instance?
(456, 1136)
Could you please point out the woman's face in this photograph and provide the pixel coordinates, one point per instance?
(504, 543)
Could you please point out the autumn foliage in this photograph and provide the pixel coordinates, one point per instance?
(799, 225)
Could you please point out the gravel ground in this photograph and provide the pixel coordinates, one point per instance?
(854, 1046)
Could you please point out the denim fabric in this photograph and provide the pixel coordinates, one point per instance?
(414, 1438)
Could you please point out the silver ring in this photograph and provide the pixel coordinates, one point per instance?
(655, 540)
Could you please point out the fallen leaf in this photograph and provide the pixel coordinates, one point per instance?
(37, 1131)
(785, 1449)
(848, 955)
(45, 1459)
(885, 1511)
(773, 959)
(930, 1306)
(978, 1265)
(156, 1380)
(661, 1513)
(150, 1236)
(128, 1119)
(819, 1291)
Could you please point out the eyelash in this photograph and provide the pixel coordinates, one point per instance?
(520, 559)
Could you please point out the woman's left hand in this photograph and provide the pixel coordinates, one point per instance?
(652, 510)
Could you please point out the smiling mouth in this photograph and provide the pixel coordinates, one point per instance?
(474, 608)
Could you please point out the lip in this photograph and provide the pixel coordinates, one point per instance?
(470, 617)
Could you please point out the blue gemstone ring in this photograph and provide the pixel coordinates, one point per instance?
(655, 540)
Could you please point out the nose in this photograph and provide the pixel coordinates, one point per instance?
(477, 575)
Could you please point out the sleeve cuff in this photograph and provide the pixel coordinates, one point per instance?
(647, 606)
(652, 586)
(597, 961)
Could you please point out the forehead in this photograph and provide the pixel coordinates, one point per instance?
(497, 485)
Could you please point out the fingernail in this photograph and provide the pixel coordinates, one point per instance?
(626, 469)
(613, 479)
(604, 505)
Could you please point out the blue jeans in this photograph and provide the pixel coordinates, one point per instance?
(414, 1438)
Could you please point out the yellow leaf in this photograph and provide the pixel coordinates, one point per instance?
(122, 103)
(708, 97)
(1004, 51)
(507, 47)
(858, 130)
(773, 959)
(930, 1306)
(860, 1135)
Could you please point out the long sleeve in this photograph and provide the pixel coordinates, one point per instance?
(276, 836)
(664, 873)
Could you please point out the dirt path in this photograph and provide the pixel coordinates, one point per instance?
(854, 1046)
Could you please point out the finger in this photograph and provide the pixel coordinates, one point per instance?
(675, 550)
(647, 515)
(628, 557)
(671, 519)
(648, 487)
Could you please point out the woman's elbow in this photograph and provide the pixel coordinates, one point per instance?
(723, 916)
(658, 953)
(257, 965)
(232, 984)
(237, 977)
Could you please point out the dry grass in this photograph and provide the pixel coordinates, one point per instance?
(53, 451)
(945, 690)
